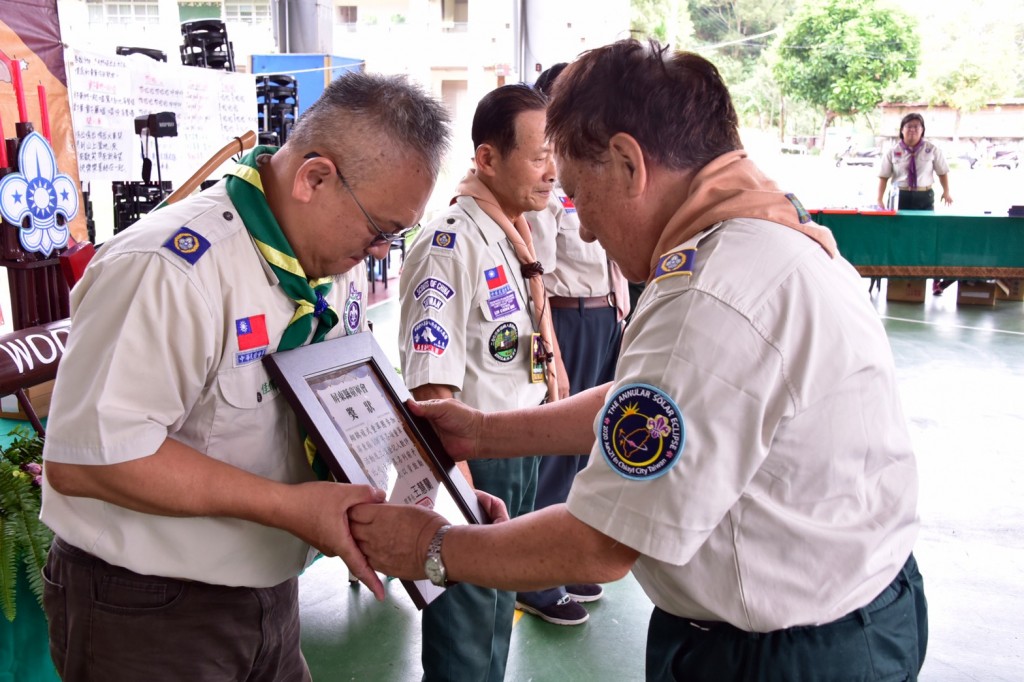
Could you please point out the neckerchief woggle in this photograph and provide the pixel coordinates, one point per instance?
(245, 189)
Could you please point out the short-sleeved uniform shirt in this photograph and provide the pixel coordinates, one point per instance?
(467, 318)
(896, 164)
(572, 267)
(169, 325)
(772, 481)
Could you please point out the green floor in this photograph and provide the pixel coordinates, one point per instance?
(962, 382)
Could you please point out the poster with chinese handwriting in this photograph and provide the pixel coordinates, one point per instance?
(107, 93)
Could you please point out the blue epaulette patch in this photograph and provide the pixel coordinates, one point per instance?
(443, 240)
(188, 244)
(675, 263)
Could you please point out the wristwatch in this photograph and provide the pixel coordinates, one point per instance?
(434, 567)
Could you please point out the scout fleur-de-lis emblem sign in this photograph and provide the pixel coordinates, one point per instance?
(38, 193)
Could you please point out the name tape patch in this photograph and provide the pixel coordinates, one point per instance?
(433, 293)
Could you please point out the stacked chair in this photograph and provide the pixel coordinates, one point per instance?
(205, 44)
(277, 100)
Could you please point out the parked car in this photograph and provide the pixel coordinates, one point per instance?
(858, 157)
(1005, 157)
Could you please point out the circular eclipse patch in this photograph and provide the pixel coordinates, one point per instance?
(642, 432)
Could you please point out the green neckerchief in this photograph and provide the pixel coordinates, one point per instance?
(245, 188)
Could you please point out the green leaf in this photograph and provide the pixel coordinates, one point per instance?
(8, 574)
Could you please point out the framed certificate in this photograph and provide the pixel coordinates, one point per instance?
(351, 402)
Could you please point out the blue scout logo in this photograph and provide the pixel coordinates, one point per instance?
(642, 432)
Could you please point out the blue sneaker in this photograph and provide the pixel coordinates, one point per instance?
(585, 592)
(565, 611)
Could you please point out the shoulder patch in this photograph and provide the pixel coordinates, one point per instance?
(429, 337)
(188, 244)
(642, 432)
(443, 240)
(675, 263)
(433, 293)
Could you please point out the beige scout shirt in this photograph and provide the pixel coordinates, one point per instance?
(162, 347)
(896, 164)
(572, 267)
(793, 499)
(466, 312)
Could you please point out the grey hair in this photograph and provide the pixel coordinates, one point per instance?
(361, 110)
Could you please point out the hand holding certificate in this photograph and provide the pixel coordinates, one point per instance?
(351, 403)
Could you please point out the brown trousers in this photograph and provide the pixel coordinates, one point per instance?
(108, 623)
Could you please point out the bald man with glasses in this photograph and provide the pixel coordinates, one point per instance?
(175, 477)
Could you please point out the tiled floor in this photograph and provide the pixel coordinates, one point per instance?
(961, 372)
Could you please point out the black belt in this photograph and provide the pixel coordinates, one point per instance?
(606, 301)
(916, 189)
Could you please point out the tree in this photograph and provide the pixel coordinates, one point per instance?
(723, 21)
(666, 20)
(839, 55)
(963, 72)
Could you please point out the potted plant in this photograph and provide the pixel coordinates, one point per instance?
(23, 537)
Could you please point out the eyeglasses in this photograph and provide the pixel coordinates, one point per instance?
(382, 236)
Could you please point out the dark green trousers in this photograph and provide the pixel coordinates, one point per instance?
(916, 201)
(467, 630)
(885, 640)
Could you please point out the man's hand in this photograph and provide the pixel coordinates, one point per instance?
(458, 425)
(564, 390)
(318, 514)
(947, 199)
(493, 506)
(395, 537)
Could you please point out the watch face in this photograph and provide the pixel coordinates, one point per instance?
(435, 570)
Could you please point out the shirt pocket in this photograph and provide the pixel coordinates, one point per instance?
(252, 425)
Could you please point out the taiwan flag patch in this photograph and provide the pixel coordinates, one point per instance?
(251, 332)
(567, 204)
(495, 277)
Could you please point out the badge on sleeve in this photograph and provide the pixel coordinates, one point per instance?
(642, 433)
(443, 240)
(674, 263)
(429, 337)
(353, 310)
(188, 244)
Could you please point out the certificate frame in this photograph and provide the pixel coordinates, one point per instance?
(346, 370)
